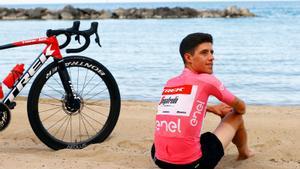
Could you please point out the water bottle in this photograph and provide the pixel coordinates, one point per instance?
(14, 75)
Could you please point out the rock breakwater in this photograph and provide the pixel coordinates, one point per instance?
(69, 13)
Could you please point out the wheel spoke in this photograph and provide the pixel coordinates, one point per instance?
(92, 118)
(52, 97)
(82, 118)
(57, 82)
(87, 84)
(81, 92)
(49, 109)
(51, 115)
(95, 111)
(89, 123)
(94, 103)
(70, 73)
(79, 118)
(56, 123)
(60, 92)
(52, 104)
(92, 89)
(71, 127)
(77, 77)
(95, 95)
(66, 128)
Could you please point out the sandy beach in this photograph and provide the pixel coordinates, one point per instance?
(273, 134)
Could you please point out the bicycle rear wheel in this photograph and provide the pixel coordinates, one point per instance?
(57, 126)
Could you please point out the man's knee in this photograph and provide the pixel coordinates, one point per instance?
(233, 119)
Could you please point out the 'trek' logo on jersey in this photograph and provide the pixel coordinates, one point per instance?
(186, 89)
(175, 91)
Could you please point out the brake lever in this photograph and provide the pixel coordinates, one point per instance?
(97, 39)
(77, 37)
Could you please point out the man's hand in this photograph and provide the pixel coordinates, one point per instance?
(220, 109)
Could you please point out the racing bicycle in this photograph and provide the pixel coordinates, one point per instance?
(74, 101)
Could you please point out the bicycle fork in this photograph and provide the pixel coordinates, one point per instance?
(71, 100)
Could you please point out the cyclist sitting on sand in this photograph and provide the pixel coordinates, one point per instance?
(182, 108)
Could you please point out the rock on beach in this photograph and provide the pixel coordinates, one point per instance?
(70, 13)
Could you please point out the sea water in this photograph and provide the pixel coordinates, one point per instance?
(257, 59)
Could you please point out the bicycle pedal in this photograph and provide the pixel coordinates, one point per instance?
(12, 105)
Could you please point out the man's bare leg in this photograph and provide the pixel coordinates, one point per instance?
(232, 129)
(240, 139)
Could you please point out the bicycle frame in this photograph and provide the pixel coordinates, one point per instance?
(51, 49)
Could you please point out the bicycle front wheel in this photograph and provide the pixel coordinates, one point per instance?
(48, 113)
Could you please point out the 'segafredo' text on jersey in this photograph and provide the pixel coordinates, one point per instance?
(175, 101)
(180, 114)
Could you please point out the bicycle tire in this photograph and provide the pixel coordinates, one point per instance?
(45, 82)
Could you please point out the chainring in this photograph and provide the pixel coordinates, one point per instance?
(4, 116)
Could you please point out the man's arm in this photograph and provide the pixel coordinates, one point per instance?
(218, 90)
(222, 109)
(219, 109)
(238, 106)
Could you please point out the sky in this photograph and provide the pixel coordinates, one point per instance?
(105, 1)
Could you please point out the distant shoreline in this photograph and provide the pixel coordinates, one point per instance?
(69, 13)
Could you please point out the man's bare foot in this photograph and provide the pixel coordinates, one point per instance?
(247, 153)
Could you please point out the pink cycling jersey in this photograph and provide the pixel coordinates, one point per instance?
(180, 115)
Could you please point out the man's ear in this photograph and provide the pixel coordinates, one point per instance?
(188, 58)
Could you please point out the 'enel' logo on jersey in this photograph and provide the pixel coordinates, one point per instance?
(199, 109)
(170, 126)
(186, 89)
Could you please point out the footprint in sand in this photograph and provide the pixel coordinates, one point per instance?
(135, 146)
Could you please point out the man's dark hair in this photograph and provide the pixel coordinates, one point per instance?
(191, 41)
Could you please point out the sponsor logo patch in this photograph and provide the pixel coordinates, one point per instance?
(177, 101)
(185, 89)
(168, 100)
(168, 126)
